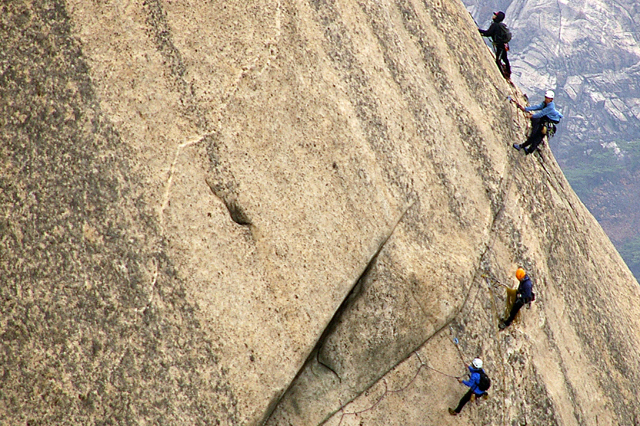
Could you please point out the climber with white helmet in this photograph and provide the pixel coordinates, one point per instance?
(478, 384)
(524, 295)
(547, 116)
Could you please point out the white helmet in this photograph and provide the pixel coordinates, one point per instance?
(549, 94)
(477, 363)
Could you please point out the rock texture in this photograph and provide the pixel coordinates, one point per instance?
(284, 213)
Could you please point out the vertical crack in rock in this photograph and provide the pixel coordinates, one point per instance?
(353, 294)
(222, 182)
(349, 298)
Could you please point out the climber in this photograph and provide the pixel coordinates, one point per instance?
(478, 384)
(524, 295)
(547, 113)
(501, 36)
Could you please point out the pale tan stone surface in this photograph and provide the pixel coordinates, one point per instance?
(254, 213)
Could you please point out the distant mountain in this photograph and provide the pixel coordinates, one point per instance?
(588, 51)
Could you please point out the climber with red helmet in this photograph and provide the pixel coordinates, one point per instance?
(501, 36)
(524, 295)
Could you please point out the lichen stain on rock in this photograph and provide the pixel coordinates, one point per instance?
(83, 331)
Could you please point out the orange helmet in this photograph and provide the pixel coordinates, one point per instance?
(520, 274)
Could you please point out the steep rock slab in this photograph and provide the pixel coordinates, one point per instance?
(435, 252)
(558, 363)
(314, 152)
(258, 218)
(213, 182)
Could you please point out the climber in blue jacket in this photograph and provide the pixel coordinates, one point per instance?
(546, 113)
(477, 380)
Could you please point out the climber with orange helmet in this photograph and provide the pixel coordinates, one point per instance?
(524, 295)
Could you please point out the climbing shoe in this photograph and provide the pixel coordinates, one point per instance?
(516, 146)
(502, 325)
(485, 396)
(452, 412)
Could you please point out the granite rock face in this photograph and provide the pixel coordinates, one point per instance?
(288, 213)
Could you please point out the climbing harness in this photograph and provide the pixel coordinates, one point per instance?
(549, 129)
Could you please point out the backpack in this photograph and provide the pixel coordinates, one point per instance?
(504, 34)
(485, 382)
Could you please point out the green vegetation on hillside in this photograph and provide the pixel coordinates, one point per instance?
(630, 252)
(606, 180)
(592, 165)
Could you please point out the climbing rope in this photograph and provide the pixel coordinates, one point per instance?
(506, 182)
(387, 391)
(495, 281)
(433, 369)
(384, 394)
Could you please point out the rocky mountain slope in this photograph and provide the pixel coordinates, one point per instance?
(588, 51)
(288, 213)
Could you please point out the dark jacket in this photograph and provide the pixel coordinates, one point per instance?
(474, 380)
(525, 289)
(493, 30)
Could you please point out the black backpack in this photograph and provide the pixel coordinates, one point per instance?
(485, 382)
(504, 34)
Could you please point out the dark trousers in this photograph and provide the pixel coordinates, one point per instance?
(463, 401)
(501, 57)
(536, 136)
(519, 303)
